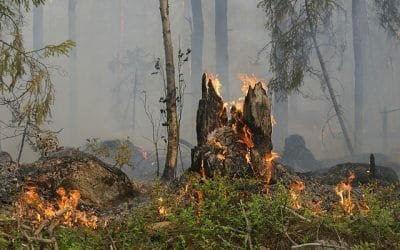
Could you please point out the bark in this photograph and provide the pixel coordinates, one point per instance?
(211, 113)
(197, 46)
(221, 43)
(257, 116)
(172, 118)
(360, 28)
(73, 95)
(329, 86)
(98, 183)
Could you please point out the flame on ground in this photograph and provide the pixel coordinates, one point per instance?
(268, 168)
(343, 190)
(295, 189)
(34, 207)
(144, 154)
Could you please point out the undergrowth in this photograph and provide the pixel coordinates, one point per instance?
(226, 214)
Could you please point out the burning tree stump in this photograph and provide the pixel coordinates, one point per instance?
(98, 183)
(237, 146)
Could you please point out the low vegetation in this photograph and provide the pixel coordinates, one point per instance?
(226, 214)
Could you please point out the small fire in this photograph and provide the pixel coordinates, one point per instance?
(250, 81)
(343, 190)
(247, 136)
(162, 210)
(273, 121)
(268, 168)
(144, 154)
(295, 190)
(31, 205)
(248, 157)
(215, 82)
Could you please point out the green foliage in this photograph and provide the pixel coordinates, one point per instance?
(228, 214)
(26, 88)
(79, 239)
(389, 16)
(123, 154)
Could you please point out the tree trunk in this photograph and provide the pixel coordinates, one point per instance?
(172, 119)
(73, 95)
(197, 47)
(38, 27)
(360, 27)
(281, 115)
(328, 83)
(221, 44)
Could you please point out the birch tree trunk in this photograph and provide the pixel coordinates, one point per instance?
(172, 121)
(360, 27)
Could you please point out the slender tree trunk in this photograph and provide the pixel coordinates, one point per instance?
(38, 27)
(135, 85)
(221, 44)
(329, 84)
(280, 102)
(281, 116)
(172, 119)
(197, 48)
(359, 29)
(73, 95)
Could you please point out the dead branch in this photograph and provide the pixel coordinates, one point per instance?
(317, 244)
(47, 221)
(296, 214)
(248, 226)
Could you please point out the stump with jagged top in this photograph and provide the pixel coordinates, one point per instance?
(233, 146)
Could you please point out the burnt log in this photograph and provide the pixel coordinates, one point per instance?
(99, 184)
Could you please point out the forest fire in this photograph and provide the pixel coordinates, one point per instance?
(268, 159)
(215, 82)
(295, 190)
(343, 190)
(64, 211)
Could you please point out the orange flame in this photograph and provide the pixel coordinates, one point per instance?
(268, 168)
(343, 190)
(31, 205)
(144, 154)
(215, 82)
(295, 190)
(250, 81)
(246, 137)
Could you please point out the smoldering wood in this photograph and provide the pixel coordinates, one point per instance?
(220, 146)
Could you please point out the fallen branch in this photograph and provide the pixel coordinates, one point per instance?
(5, 234)
(296, 214)
(317, 244)
(47, 221)
(248, 226)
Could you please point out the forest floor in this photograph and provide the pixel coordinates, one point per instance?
(219, 213)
